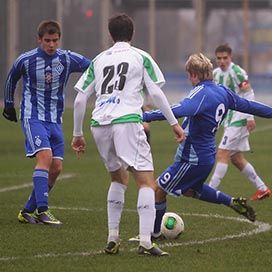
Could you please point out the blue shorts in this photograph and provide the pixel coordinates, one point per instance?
(181, 176)
(41, 135)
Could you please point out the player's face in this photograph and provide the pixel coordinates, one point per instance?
(49, 43)
(223, 60)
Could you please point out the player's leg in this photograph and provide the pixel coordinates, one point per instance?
(228, 143)
(221, 168)
(54, 172)
(133, 151)
(56, 139)
(48, 148)
(57, 146)
(248, 170)
(115, 204)
(145, 205)
(206, 193)
(146, 211)
(103, 137)
(160, 206)
(36, 145)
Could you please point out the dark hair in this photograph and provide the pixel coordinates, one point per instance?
(223, 48)
(121, 27)
(50, 27)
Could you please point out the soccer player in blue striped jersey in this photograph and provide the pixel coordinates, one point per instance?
(204, 109)
(45, 71)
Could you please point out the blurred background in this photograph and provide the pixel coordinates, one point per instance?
(170, 30)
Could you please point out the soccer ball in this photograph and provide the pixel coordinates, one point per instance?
(172, 225)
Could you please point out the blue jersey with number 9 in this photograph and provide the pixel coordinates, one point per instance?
(204, 109)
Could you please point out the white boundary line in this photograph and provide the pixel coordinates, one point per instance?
(260, 227)
(30, 184)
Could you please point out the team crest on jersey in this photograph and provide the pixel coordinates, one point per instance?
(59, 68)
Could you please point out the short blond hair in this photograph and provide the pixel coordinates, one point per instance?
(200, 65)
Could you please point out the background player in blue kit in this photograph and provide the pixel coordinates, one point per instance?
(45, 71)
(204, 109)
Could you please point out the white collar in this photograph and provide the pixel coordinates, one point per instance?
(121, 45)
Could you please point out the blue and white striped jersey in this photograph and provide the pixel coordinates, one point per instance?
(204, 109)
(44, 80)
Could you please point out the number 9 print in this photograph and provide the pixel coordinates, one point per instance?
(165, 178)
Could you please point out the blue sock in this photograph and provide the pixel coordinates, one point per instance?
(40, 180)
(31, 204)
(209, 194)
(160, 211)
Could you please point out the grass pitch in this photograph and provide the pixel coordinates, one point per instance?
(215, 237)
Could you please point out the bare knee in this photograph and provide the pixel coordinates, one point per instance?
(223, 155)
(239, 160)
(121, 176)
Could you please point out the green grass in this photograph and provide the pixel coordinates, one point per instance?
(83, 199)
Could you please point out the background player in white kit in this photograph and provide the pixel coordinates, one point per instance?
(237, 125)
(118, 75)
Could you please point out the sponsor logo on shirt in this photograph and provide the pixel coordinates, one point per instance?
(110, 100)
(48, 77)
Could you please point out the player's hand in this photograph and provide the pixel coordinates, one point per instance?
(179, 132)
(78, 145)
(245, 86)
(251, 125)
(10, 114)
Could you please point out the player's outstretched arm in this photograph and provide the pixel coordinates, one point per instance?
(251, 107)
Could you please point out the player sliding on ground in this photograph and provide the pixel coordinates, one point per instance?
(204, 109)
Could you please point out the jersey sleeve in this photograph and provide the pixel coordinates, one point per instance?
(190, 106)
(251, 107)
(153, 70)
(78, 62)
(159, 99)
(85, 83)
(239, 74)
(13, 77)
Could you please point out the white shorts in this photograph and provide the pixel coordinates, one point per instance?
(123, 145)
(235, 139)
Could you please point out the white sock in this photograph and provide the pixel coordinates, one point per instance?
(146, 211)
(116, 199)
(219, 172)
(251, 174)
